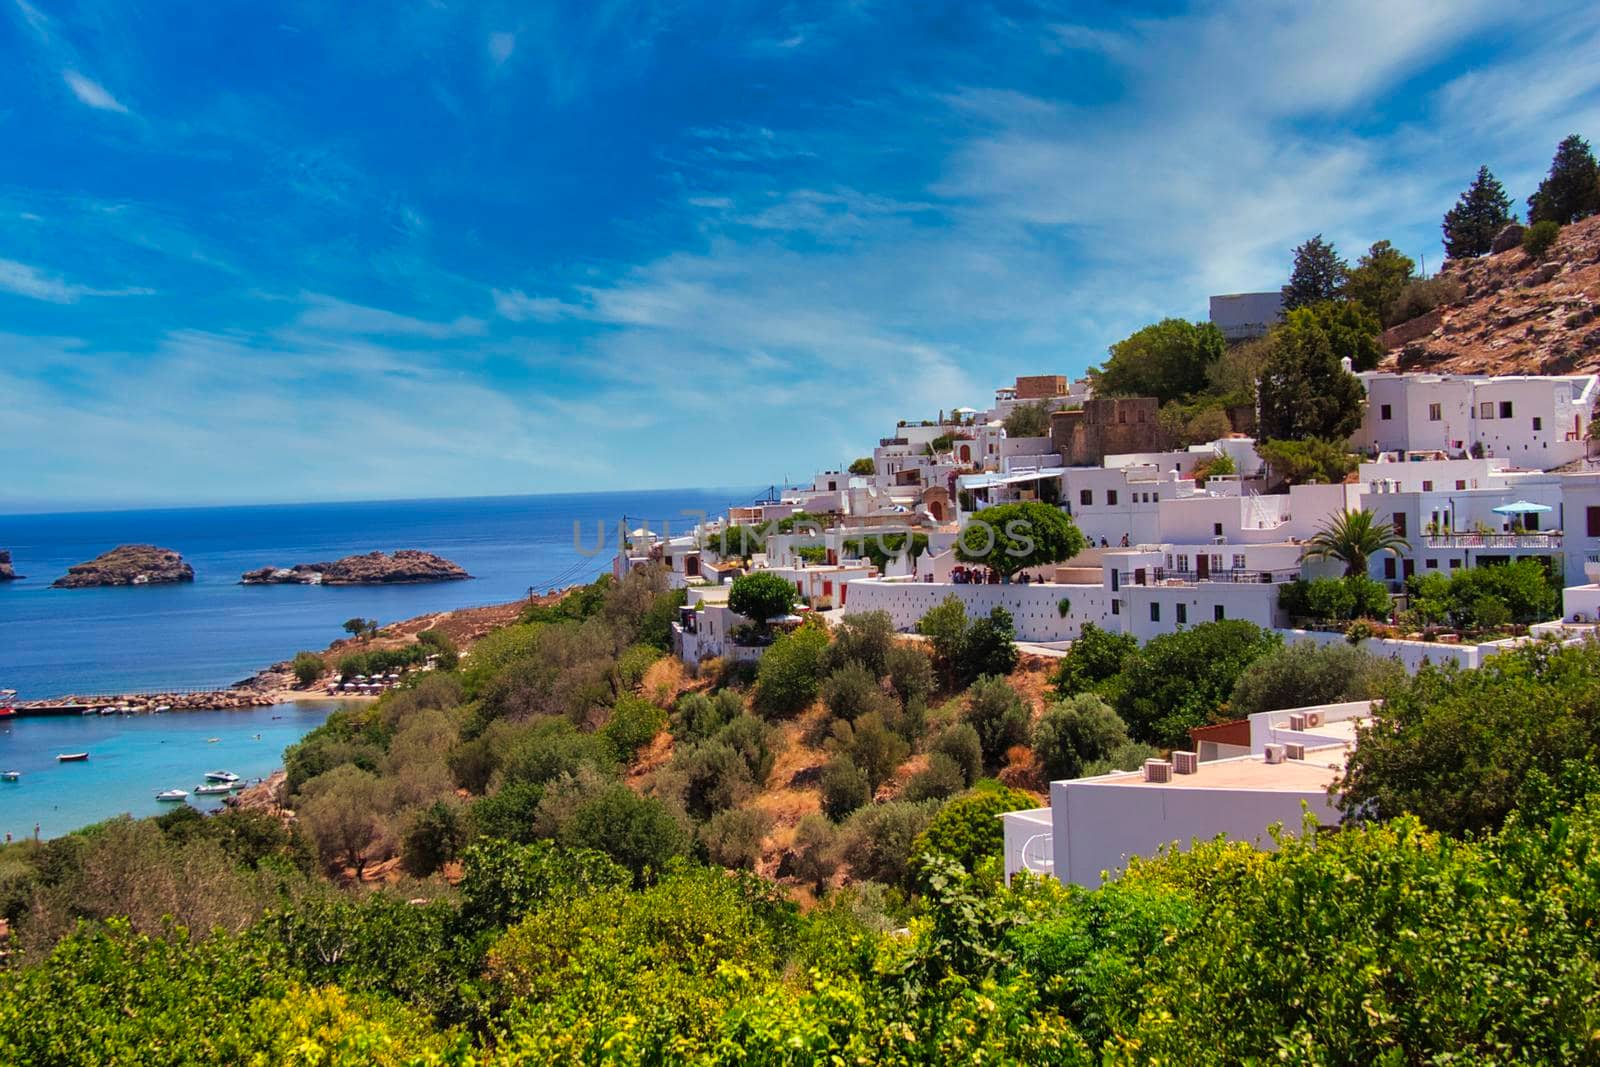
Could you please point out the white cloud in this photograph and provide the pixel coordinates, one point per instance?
(501, 45)
(24, 280)
(517, 306)
(92, 93)
(337, 316)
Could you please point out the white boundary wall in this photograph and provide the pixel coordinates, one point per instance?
(1035, 609)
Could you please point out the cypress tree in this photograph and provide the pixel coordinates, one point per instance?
(1319, 274)
(1572, 190)
(1480, 213)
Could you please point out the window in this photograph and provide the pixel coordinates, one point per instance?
(1505, 409)
(1216, 529)
(1461, 483)
(1216, 561)
(1399, 524)
(1238, 561)
(1455, 564)
(1155, 611)
(1183, 614)
(1486, 410)
(1388, 567)
(1116, 607)
(1111, 497)
(1086, 497)
(1217, 613)
(1434, 413)
(1538, 423)
(1183, 563)
(1384, 412)
(1431, 564)
(1593, 516)
(1427, 486)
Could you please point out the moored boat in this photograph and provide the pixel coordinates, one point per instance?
(172, 794)
(10, 776)
(212, 789)
(71, 757)
(221, 776)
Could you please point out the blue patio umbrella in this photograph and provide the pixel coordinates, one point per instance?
(1521, 507)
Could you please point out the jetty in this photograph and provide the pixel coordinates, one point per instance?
(145, 702)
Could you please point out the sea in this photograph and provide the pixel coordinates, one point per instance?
(214, 631)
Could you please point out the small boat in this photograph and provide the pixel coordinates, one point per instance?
(172, 794)
(71, 757)
(10, 776)
(7, 712)
(212, 740)
(163, 708)
(221, 776)
(212, 789)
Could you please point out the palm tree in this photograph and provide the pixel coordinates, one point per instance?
(1351, 537)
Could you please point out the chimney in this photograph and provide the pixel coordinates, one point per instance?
(1185, 762)
(1157, 770)
(1274, 753)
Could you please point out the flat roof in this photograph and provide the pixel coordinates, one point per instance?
(1314, 773)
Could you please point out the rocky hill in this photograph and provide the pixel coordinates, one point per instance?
(7, 572)
(128, 565)
(406, 566)
(1516, 314)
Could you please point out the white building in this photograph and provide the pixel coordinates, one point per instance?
(1534, 421)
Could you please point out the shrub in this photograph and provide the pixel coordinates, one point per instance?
(634, 663)
(865, 639)
(968, 829)
(876, 749)
(1538, 238)
(787, 680)
(997, 713)
(553, 747)
(1306, 673)
(437, 643)
(1075, 732)
(755, 741)
(942, 778)
(853, 691)
(733, 838)
(1182, 680)
(633, 724)
(637, 832)
(862, 466)
(1354, 596)
(1128, 757)
(879, 840)
(307, 667)
(761, 596)
(1093, 659)
(509, 812)
(815, 856)
(707, 778)
(910, 673)
(699, 715)
(844, 788)
(960, 742)
(435, 836)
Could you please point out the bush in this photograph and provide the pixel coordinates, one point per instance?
(997, 713)
(1354, 596)
(707, 778)
(876, 749)
(437, 643)
(968, 829)
(787, 680)
(761, 596)
(853, 691)
(879, 840)
(308, 667)
(1094, 658)
(942, 778)
(509, 812)
(434, 837)
(699, 715)
(633, 724)
(844, 788)
(755, 741)
(864, 639)
(1307, 673)
(960, 742)
(816, 851)
(965, 649)
(1538, 238)
(1081, 730)
(637, 832)
(635, 663)
(733, 838)
(1182, 680)
(910, 673)
(553, 747)
(1128, 757)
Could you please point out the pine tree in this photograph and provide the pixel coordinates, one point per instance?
(1480, 213)
(1304, 392)
(1377, 279)
(1572, 191)
(1319, 274)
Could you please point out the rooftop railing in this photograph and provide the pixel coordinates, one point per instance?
(1242, 576)
(1547, 539)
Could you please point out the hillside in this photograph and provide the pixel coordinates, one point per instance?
(1516, 315)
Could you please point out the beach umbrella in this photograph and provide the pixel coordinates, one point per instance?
(1521, 507)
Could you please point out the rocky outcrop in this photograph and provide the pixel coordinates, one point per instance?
(128, 565)
(406, 566)
(1509, 237)
(1516, 315)
(7, 574)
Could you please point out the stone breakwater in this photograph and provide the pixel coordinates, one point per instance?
(406, 566)
(145, 703)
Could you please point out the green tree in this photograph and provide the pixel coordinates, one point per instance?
(1076, 732)
(816, 852)
(997, 712)
(359, 627)
(1094, 658)
(307, 667)
(1479, 215)
(844, 787)
(1571, 191)
(791, 671)
(959, 741)
(1352, 331)
(1306, 462)
(1182, 680)
(1307, 673)
(876, 749)
(1318, 274)
(738, 542)
(945, 627)
(863, 466)
(1354, 537)
(968, 829)
(633, 724)
(1336, 599)
(1303, 391)
(1008, 538)
(1540, 237)
(761, 596)
(1376, 283)
(639, 833)
(343, 810)
(734, 838)
(1028, 420)
(434, 837)
(1167, 360)
(863, 638)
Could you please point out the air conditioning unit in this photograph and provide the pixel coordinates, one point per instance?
(1157, 770)
(1185, 762)
(1313, 719)
(1274, 753)
(1297, 723)
(1295, 750)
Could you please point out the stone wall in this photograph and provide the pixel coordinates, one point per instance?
(1106, 426)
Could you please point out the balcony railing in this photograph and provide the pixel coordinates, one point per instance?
(1548, 539)
(1167, 576)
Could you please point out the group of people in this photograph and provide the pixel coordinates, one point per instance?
(974, 576)
(1107, 544)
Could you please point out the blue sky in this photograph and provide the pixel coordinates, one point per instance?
(261, 252)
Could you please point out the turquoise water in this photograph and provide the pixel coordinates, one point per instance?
(131, 757)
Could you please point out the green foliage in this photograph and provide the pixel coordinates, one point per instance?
(437, 644)
(761, 596)
(1008, 538)
(380, 661)
(634, 663)
(812, 553)
(1486, 596)
(1075, 732)
(844, 787)
(864, 639)
(1336, 599)
(342, 810)
(853, 691)
(733, 838)
(1375, 284)
(790, 672)
(968, 829)
(502, 881)
(883, 548)
(1096, 657)
(816, 856)
(633, 724)
(1028, 420)
(1571, 191)
(1167, 360)
(1313, 461)
(510, 812)
(880, 840)
(639, 833)
(739, 542)
(910, 672)
(1307, 673)
(1303, 391)
(997, 713)
(1479, 215)
(877, 750)
(698, 716)
(550, 748)
(495, 651)
(1422, 295)
(707, 778)
(966, 651)
(359, 627)
(1126, 757)
(1181, 680)
(940, 779)
(434, 837)
(307, 667)
(1318, 274)
(960, 742)
(1351, 328)
(863, 466)
(1540, 237)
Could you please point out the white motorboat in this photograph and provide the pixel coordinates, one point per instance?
(10, 776)
(212, 789)
(221, 776)
(172, 794)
